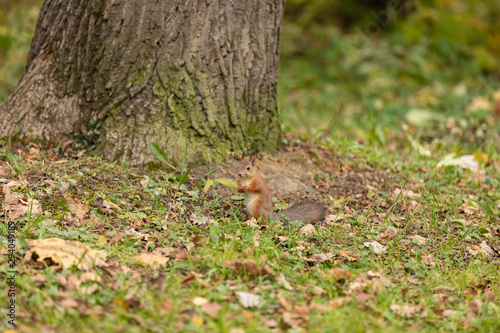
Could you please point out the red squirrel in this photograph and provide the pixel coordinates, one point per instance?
(259, 203)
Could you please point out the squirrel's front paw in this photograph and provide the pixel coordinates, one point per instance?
(240, 189)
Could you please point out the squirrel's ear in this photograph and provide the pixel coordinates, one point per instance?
(242, 155)
(253, 157)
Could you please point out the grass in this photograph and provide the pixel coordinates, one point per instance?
(365, 135)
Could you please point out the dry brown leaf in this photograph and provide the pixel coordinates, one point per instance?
(271, 323)
(308, 229)
(3, 172)
(331, 219)
(319, 257)
(338, 273)
(408, 310)
(164, 251)
(284, 302)
(151, 259)
(350, 256)
(406, 193)
(199, 220)
(266, 270)
(442, 298)
(485, 248)
(116, 238)
(192, 277)
(387, 235)
(10, 185)
(292, 319)
(248, 266)
(443, 288)
(38, 279)
(428, 260)
(17, 206)
(302, 310)
(447, 313)
(181, 254)
(90, 276)
(64, 252)
(475, 305)
(211, 309)
(166, 307)
(337, 302)
(361, 296)
(68, 303)
(80, 210)
(64, 188)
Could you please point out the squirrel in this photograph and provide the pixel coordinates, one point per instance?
(259, 203)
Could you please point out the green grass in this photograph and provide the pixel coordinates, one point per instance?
(373, 122)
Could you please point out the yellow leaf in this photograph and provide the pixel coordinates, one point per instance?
(197, 320)
(227, 183)
(151, 259)
(65, 252)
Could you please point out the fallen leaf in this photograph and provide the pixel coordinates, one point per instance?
(377, 247)
(271, 323)
(284, 302)
(319, 257)
(338, 273)
(248, 300)
(199, 301)
(387, 235)
(10, 185)
(283, 282)
(428, 260)
(166, 307)
(406, 193)
(64, 188)
(447, 313)
(468, 162)
(199, 220)
(248, 266)
(116, 238)
(211, 309)
(197, 320)
(302, 311)
(485, 248)
(90, 276)
(408, 310)
(181, 254)
(475, 305)
(68, 303)
(193, 276)
(79, 209)
(418, 239)
(349, 256)
(308, 229)
(151, 259)
(65, 252)
(292, 319)
(17, 206)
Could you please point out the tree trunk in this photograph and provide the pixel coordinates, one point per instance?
(131, 72)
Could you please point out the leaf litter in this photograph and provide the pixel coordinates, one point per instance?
(337, 261)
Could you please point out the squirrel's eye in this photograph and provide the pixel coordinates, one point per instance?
(248, 167)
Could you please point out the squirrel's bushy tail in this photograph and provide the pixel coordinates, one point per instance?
(307, 211)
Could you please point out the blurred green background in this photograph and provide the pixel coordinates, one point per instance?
(361, 70)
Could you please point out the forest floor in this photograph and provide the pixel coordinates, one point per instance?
(407, 245)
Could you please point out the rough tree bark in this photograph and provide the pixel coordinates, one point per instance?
(131, 72)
